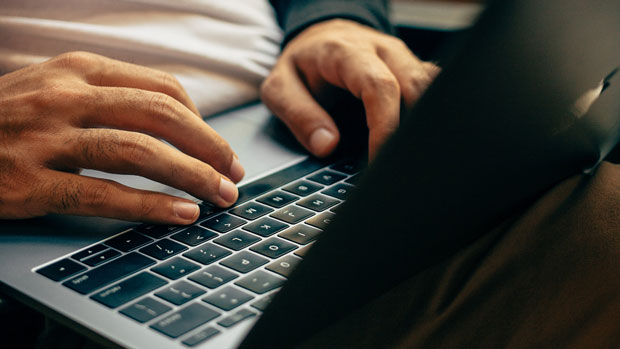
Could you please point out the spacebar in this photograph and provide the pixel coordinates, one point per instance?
(108, 273)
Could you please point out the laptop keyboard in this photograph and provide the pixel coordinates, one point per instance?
(191, 283)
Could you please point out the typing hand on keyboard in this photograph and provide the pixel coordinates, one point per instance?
(81, 110)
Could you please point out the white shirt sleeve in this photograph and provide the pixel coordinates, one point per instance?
(219, 50)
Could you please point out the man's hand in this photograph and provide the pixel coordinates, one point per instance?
(377, 68)
(81, 110)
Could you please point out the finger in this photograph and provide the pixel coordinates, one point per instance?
(432, 69)
(162, 116)
(102, 71)
(285, 94)
(66, 193)
(135, 153)
(368, 78)
(413, 75)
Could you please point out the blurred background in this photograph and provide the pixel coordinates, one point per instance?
(426, 24)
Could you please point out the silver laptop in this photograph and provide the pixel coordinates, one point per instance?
(528, 98)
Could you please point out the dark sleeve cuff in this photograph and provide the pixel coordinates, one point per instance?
(296, 15)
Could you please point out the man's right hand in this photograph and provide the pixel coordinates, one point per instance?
(81, 110)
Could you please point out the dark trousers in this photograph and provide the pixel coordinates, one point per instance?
(549, 278)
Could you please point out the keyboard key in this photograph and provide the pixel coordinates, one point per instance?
(302, 251)
(185, 320)
(236, 318)
(145, 310)
(292, 214)
(301, 234)
(303, 188)
(336, 208)
(339, 191)
(244, 261)
(175, 268)
(237, 240)
(321, 221)
(179, 293)
(128, 241)
(270, 182)
(200, 336)
(213, 276)
(109, 272)
(163, 249)
(261, 282)
(252, 190)
(194, 235)
(207, 211)
(262, 303)
(251, 211)
(91, 251)
(318, 202)
(353, 179)
(128, 290)
(61, 270)
(348, 166)
(277, 199)
(327, 177)
(207, 253)
(101, 257)
(157, 231)
(228, 298)
(265, 226)
(223, 223)
(284, 266)
(273, 247)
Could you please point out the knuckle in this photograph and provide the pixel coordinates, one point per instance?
(65, 195)
(396, 42)
(54, 94)
(19, 190)
(271, 92)
(97, 195)
(98, 144)
(225, 154)
(418, 84)
(138, 149)
(382, 82)
(162, 107)
(75, 60)
(207, 175)
(335, 44)
(271, 87)
(171, 83)
(147, 205)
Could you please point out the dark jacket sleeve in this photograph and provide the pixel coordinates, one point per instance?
(296, 15)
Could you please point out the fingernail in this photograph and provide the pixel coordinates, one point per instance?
(236, 170)
(228, 190)
(320, 140)
(185, 210)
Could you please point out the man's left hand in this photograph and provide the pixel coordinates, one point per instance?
(377, 68)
